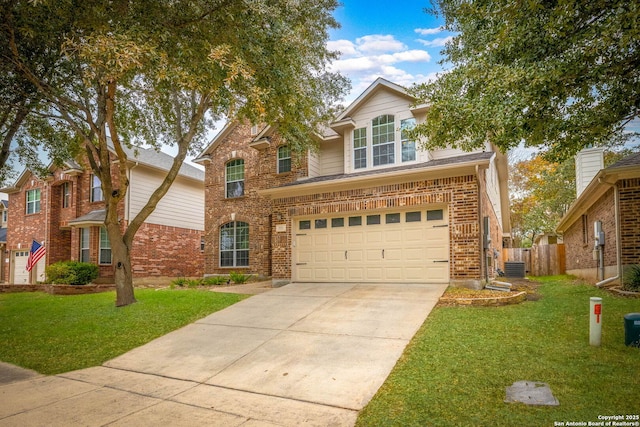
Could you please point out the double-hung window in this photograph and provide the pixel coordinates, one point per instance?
(235, 178)
(105, 247)
(96, 189)
(284, 159)
(360, 148)
(408, 145)
(33, 201)
(234, 244)
(84, 244)
(383, 140)
(66, 194)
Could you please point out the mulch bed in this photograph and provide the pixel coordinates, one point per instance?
(521, 290)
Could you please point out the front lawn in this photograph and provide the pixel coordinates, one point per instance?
(456, 369)
(54, 334)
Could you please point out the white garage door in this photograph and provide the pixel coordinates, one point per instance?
(20, 273)
(409, 246)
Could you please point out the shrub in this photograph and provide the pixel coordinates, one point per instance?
(239, 278)
(71, 273)
(215, 280)
(180, 281)
(632, 278)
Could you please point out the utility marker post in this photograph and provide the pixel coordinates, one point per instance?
(595, 321)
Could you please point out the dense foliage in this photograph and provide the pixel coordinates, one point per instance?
(71, 273)
(129, 73)
(556, 75)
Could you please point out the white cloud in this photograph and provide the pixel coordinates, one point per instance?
(376, 55)
(379, 43)
(437, 42)
(429, 31)
(345, 47)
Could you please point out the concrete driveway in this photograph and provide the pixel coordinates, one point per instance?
(310, 354)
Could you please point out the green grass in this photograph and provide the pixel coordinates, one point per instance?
(54, 334)
(455, 370)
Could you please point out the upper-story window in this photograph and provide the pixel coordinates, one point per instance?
(284, 159)
(33, 201)
(408, 145)
(383, 140)
(96, 189)
(66, 194)
(360, 148)
(4, 216)
(235, 178)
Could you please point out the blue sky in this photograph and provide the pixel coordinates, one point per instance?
(399, 42)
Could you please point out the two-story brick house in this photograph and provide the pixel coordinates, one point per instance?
(65, 211)
(369, 205)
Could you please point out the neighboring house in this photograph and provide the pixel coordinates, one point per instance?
(65, 211)
(547, 239)
(368, 206)
(609, 204)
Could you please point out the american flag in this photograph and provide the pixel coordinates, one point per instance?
(37, 251)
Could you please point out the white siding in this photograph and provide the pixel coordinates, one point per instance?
(450, 152)
(382, 102)
(314, 164)
(493, 188)
(331, 158)
(588, 163)
(182, 206)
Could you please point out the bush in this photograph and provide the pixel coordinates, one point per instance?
(632, 278)
(71, 273)
(215, 280)
(183, 281)
(239, 278)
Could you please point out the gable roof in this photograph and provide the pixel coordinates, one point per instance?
(375, 87)
(628, 167)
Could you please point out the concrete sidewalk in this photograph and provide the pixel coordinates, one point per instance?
(303, 354)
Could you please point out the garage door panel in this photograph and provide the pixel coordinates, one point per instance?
(390, 249)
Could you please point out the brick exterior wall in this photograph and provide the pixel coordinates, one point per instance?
(169, 251)
(629, 191)
(260, 172)
(579, 254)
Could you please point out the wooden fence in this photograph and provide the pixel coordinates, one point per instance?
(540, 260)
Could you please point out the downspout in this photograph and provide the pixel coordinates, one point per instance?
(483, 255)
(616, 208)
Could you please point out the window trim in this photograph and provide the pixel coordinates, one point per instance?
(66, 194)
(407, 124)
(382, 135)
(35, 203)
(284, 159)
(85, 234)
(95, 194)
(361, 137)
(105, 245)
(235, 249)
(227, 181)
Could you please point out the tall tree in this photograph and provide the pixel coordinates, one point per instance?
(541, 192)
(555, 74)
(160, 72)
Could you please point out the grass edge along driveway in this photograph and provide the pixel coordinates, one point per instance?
(455, 370)
(52, 334)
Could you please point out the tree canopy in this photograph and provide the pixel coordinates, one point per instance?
(134, 72)
(557, 75)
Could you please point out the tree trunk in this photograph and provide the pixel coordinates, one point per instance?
(121, 259)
